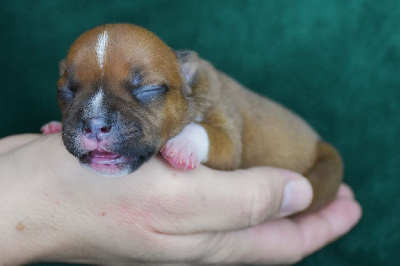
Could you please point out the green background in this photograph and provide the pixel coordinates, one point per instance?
(336, 63)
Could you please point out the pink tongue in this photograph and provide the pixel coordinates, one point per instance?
(104, 154)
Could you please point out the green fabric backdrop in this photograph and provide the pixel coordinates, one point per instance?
(336, 63)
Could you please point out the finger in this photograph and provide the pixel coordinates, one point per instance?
(12, 142)
(345, 192)
(283, 240)
(341, 215)
(210, 200)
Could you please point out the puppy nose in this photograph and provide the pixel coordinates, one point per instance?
(97, 128)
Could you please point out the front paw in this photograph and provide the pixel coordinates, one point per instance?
(187, 149)
(180, 157)
(51, 128)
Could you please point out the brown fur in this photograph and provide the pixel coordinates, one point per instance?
(244, 129)
(248, 130)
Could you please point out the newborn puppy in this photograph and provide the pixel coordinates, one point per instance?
(125, 96)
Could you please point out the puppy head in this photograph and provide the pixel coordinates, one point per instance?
(121, 96)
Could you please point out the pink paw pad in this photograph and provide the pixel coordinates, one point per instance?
(187, 149)
(51, 128)
(180, 157)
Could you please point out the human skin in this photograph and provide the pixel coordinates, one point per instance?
(54, 210)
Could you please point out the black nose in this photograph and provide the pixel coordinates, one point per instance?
(97, 128)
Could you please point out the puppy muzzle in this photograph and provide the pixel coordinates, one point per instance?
(108, 146)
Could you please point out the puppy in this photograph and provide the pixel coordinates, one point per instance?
(125, 96)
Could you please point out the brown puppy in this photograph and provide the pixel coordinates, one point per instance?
(125, 96)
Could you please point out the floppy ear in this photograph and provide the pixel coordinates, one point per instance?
(62, 67)
(189, 62)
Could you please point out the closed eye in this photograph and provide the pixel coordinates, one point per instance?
(65, 94)
(148, 93)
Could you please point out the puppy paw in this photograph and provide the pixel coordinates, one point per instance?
(181, 158)
(51, 128)
(187, 149)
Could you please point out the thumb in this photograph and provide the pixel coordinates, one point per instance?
(221, 200)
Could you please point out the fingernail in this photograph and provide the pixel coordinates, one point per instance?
(297, 196)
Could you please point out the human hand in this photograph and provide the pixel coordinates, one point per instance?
(55, 210)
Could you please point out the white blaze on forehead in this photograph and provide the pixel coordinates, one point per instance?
(95, 106)
(101, 47)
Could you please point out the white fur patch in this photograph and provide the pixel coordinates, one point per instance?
(101, 47)
(95, 106)
(195, 138)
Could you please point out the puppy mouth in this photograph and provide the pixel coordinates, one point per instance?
(105, 157)
(113, 164)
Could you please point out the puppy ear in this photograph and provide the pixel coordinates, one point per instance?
(62, 67)
(189, 62)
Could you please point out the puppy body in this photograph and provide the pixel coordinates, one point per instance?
(248, 130)
(125, 96)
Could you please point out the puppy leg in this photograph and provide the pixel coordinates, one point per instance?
(325, 176)
(225, 147)
(51, 128)
(202, 143)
